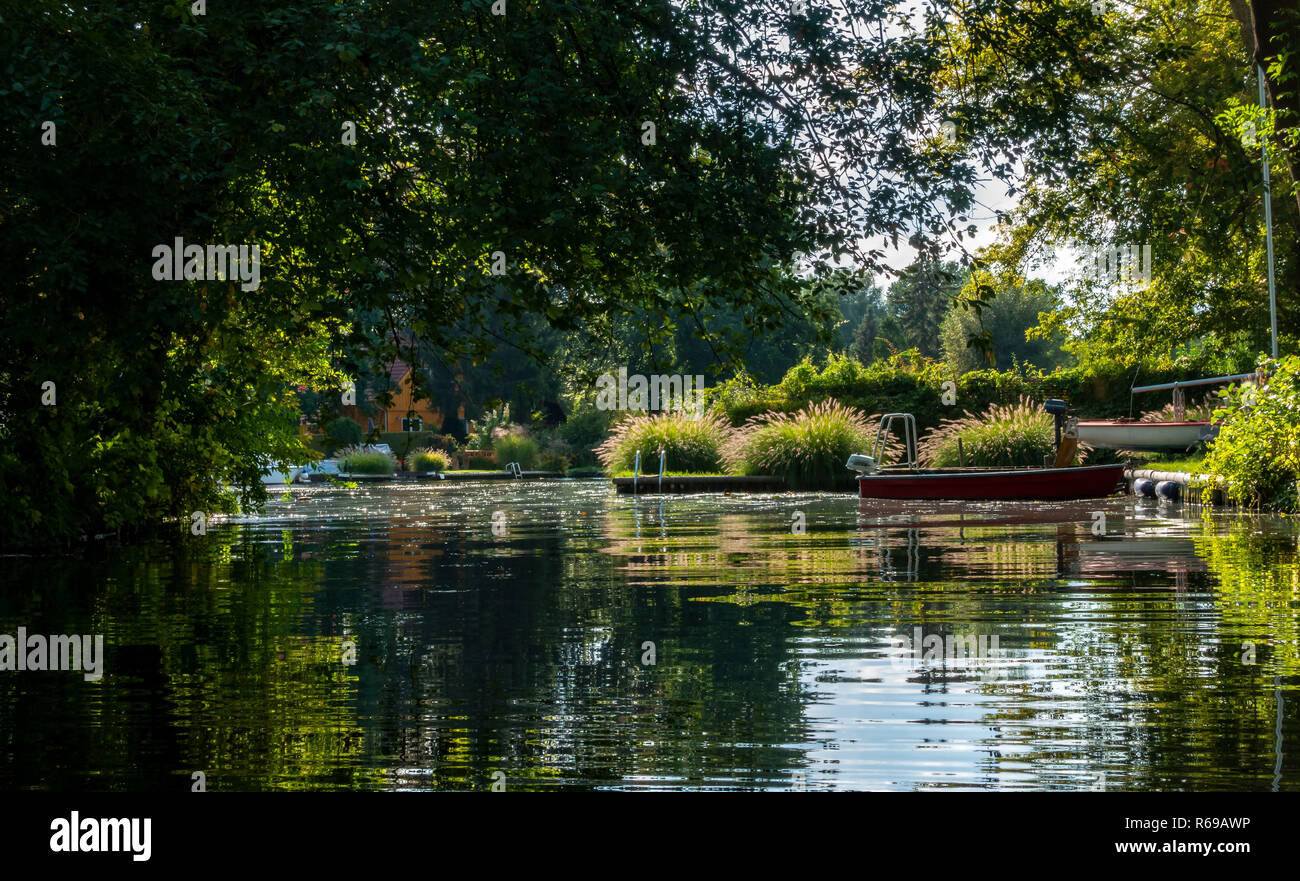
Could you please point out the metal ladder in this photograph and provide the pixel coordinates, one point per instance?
(636, 470)
(909, 438)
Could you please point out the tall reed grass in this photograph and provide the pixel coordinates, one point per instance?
(1004, 434)
(691, 445)
(515, 447)
(808, 448)
(359, 460)
(430, 460)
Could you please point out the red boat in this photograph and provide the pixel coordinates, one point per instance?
(993, 484)
(978, 484)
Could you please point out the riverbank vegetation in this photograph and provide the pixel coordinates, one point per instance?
(1255, 459)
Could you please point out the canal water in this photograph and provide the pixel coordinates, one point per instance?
(555, 635)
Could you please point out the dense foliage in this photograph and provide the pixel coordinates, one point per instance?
(345, 432)
(1256, 455)
(910, 383)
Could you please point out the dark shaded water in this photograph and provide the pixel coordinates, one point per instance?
(1162, 656)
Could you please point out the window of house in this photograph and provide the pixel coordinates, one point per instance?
(412, 423)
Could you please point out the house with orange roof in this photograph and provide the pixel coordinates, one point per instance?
(407, 411)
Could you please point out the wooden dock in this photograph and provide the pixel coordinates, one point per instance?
(695, 483)
(490, 475)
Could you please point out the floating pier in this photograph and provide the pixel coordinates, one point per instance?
(435, 475)
(490, 475)
(698, 484)
(695, 483)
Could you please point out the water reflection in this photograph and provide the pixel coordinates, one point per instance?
(798, 641)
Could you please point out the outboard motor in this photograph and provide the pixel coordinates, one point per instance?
(1057, 408)
(862, 464)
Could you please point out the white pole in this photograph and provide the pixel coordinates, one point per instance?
(1268, 217)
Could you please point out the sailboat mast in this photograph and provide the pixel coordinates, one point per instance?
(1268, 216)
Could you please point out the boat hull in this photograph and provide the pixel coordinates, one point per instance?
(1022, 484)
(1144, 435)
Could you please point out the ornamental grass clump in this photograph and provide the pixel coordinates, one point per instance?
(429, 460)
(807, 448)
(692, 445)
(515, 446)
(1003, 435)
(358, 460)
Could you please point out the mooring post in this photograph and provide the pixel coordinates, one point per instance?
(662, 456)
(636, 471)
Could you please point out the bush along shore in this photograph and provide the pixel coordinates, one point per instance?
(801, 431)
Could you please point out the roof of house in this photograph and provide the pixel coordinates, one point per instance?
(397, 371)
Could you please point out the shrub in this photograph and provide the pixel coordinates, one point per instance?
(1004, 434)
(359, 460)
(553, 462)
(1257, 451)
(515, 447)
(428, 460)
(583, 430)
(556, 455)
(405, 443)
(807, 448)
(345, 432)
(905, 382)
(693, 446)
(485, 430)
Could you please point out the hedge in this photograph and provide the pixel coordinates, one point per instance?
(908, 383)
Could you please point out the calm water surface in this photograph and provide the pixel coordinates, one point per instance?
(792, 639)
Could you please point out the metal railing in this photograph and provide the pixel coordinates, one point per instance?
(909, 438)
(1188, 383)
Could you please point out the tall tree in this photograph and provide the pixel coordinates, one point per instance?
(919, 299)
